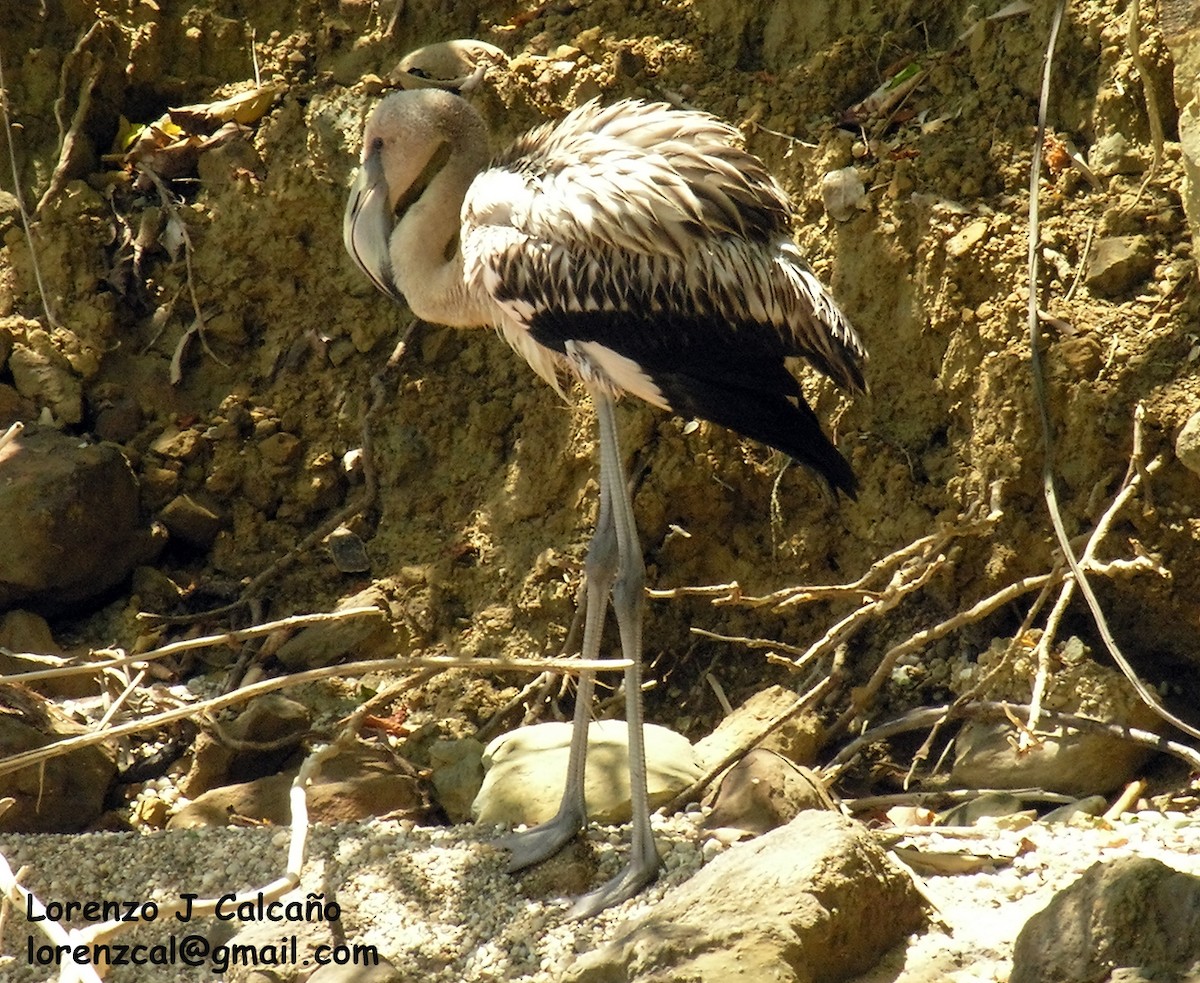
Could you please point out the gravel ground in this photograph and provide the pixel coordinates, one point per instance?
(438, 906)
(435, 901)
(983, 913)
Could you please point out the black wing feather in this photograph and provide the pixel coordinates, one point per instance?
(705, 369)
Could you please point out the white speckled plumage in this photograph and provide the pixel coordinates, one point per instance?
(634, 212)
(637, 206)
(639, 249)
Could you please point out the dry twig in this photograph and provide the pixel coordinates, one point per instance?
(1079, 576)
(857, 590)
(1133, 478)
(936, 798)
(25, 759)
(910, 568)
(11, 434)
(801, 703)
(69, 137)
(928, 716)
(197, 326)
(188, 903)
(1153, 113)
(26, 901)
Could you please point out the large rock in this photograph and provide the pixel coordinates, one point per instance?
(526, 770)
(1118, 264)
(815, 900)
(73, 528)
(62, 794)
(26, 645)
(42, 374)
(765, 790)
(1063, 760)
(367, 636)
(359, 781)
(1134, 912)
(256, 743)
(456, 770)
(798, 739)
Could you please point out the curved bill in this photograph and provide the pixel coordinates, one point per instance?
(367, 226)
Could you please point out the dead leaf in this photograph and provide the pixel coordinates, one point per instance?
(937, 862)
(911, 816)
(244, 108)
(172, 144)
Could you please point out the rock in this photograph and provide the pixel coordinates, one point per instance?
(1118, 264)
(364, 636)
(457, 768)
(816, 899)
(42, 374)
(1080, 357)
(1134, 912)
(159, 485)
(765, 790)
(31, 648)
(348, 550)
(1112, 154)
(23, 631)
(797, 740)
(62, 794)
(257, 743)
(118, 422)
(1187, 444)
(271, 719)
(73, 527)
(365, 780)
(279, 448)
(192, 521)
(1090, 805)
(526, 769)
(1069, 762)
(843, 193)
(989, 805)
(967, 238)
(179, 445)
(153, 590)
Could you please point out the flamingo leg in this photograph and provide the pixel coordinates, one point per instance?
(628, 598)
(614, 570)
(600, 569)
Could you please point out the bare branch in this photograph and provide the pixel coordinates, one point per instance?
(927, 716)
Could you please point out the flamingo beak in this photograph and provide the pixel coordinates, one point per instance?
(367, 225)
